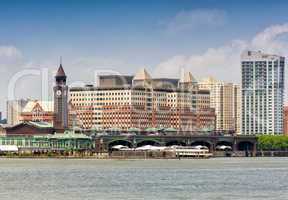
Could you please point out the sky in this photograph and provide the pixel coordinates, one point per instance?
(205, 37)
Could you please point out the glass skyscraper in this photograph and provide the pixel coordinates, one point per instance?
(262, 93)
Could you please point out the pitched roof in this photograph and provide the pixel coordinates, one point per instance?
(187, 77)
(60, 72)
(142, 74)
(209, 80)
(47, 106)
(40, 124)
(69, 135)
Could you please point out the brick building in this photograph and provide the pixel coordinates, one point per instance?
(144, 103)
(285, 119)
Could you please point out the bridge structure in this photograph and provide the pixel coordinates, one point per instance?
(237, 143)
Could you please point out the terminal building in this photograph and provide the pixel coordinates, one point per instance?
(39, 126)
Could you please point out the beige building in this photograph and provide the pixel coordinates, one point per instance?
(203, 99)
(146, 102)
(225, 99)
(237, 108)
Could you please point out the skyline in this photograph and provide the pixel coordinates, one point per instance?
(143, 99)
(206, 38)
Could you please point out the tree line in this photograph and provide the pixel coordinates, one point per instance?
(272, 142)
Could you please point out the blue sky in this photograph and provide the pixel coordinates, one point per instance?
(133, 30)
(205, 37)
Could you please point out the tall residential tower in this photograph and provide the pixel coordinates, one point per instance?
(262, 93)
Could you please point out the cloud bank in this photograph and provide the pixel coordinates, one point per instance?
(198, 18)
(223, 62)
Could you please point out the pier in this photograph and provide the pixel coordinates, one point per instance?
(239, 143)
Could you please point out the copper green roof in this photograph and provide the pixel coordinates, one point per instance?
(152, 129)
(170, 129)
(69, 135)
(114, 129)
(132, 129)
(40, 124)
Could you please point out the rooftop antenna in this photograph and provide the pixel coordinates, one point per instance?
(60, 60)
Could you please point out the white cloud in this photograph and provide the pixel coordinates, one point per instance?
(193, 19)
(9, 56)
(12, 64)
(224, 62)
(269, 40)
(10, 52)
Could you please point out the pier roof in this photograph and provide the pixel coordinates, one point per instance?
(69, 135)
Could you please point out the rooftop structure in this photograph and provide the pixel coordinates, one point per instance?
(142, 74)
(114, 81)
(46, 106)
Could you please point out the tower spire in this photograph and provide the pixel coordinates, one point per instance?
(60, 60)
(60, 71)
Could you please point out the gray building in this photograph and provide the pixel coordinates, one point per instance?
(262, 93)
(14, 109)
(114, 81)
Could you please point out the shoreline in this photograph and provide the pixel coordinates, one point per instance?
(128, 158)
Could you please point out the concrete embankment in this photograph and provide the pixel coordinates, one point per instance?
(140, 155)
(272, 154)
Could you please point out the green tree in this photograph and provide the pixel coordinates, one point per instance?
(273, 142)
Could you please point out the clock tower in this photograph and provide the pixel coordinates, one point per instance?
(60, 120)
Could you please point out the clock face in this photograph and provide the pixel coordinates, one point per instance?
(58, 92)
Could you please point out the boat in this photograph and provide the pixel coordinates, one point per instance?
(192, 152)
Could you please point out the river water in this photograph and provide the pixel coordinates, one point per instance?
(221, 178)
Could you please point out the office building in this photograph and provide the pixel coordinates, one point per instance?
(148, 102)
(225, 99)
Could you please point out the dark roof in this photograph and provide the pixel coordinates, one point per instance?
(38, 125)
(115, 76)
(114, 80)
(167, 80)
(203, 92)
(60, 72)
(76, 89)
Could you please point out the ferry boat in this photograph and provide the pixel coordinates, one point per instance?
(191, 152)
(179, 151)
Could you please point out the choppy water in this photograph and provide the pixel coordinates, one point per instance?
(229, 178)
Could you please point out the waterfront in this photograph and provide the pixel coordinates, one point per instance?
(221, 178)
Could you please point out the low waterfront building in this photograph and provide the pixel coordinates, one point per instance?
(29, 128)
(56, 142)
